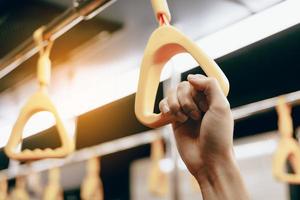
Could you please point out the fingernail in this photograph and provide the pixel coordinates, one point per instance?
(165, 109)
(195, 115)
(191, 76)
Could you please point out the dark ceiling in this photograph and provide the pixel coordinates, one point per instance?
(19, 18)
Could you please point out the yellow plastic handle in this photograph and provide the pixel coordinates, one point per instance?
(53, 190)
(92, 187)
(3, 187)
(164, 43)
(40, 101)
(44, 70)
(288, 148)
(285, 122)
(157, 179)
(160, 7)
(44, 62)
(19, 192)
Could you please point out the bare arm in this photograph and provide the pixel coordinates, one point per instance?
(204, 135)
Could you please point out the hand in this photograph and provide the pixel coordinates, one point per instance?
(203, 125)
(203, 128)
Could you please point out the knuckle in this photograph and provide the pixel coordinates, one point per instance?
(212, 80)
(174, 108)
(226, 105)
(187, 107)
(183, 85)
(181, 117)
(222, 107)
(162, 102)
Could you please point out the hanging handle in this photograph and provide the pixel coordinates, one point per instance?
(19, 192)
(161, 9)
(44, 62)
(40, 101)
(157, 180)
(164, 43)
(3, 187)
(92, 187)
(53, 189)
(288, 148)
(285, 122)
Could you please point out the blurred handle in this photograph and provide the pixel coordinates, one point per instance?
(285, 122)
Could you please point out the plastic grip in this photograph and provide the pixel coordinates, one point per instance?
(163, 44)
(39, 101)
(285, 121)
(44, 70)
(288, 148)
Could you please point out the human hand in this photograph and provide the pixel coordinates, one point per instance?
(203, 125)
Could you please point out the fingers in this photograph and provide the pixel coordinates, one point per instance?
(171, 105)
(163, 106)
(194, 96)
(181, 104)
(210, 87)
(175, 107)
(200, 99)
(186, 101)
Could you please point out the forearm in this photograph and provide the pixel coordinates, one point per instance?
(222, 181)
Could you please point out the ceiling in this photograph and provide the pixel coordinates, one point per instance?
(18, 20)
(203, 17)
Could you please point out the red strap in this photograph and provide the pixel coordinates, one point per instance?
(163, 19)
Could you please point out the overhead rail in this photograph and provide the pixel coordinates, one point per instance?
(81, 10)
(136, 140)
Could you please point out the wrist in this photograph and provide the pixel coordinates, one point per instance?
(221, 179)
(216, 167)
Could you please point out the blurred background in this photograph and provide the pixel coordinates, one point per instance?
(94, 80)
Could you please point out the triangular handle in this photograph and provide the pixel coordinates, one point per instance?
(287, 146)
(165, 42)
(92, 187)
(40, 101)
(19, 192)
(53, 190)
(157, 179)
(3, 187)
(285, 121)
